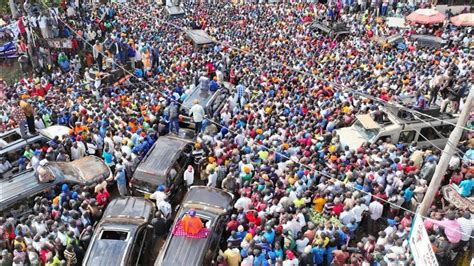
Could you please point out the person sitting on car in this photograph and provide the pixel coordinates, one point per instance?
(191, 224)
(44, 174)
(5, 166)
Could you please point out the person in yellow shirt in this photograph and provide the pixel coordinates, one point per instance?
(232, 255)
(319, 202)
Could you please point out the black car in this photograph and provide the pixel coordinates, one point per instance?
(123, 234)
(212, 205)
(164, 164)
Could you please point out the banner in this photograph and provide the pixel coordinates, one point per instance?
(60, 43)
(420, 244)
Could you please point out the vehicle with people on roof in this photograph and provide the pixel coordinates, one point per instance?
(398, 126)
(211, 101)
(212, 207)
(124, 233)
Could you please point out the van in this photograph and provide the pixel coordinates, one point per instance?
(212, 206)
(164, 164)
(398, 126)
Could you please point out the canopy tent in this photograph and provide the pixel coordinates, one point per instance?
(426, 16)
(395, 22)
(466, 19)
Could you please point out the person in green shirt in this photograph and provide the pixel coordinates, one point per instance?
(28, 152)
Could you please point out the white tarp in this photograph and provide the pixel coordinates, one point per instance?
(420, 244)
(395, 22)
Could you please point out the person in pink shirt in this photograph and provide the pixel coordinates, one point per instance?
(452, 228)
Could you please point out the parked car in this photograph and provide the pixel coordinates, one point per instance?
(123, 234)
(212, 205)
(164, 164)
(19, 190)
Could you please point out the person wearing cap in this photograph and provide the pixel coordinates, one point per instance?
(291, 259)
(191, 223)
(159, 194)
(198, 114)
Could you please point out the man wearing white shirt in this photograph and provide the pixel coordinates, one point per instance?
(467, 225)
(197, 111)
(375, 210)
(189, 176)
(243, 203)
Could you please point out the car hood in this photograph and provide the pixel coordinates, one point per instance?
(87, 170)
(350, 137)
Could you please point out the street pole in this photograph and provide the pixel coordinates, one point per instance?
(13, 8)
(446, 155)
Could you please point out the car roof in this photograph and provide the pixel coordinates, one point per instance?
(199, 37)
(21, 186)
(181, 250)
(154, 167)
(108, 251)
(129, 210)
(208, 196)
(203, 96)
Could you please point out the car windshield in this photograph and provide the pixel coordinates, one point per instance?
(368, 134)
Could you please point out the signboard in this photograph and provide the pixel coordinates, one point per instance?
(451, 194)
(420, 244)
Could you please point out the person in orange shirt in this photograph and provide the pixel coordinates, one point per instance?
(191, 224)
(319, 202)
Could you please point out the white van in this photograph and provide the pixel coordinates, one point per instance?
(399, 126)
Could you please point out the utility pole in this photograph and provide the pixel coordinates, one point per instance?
(446, 155)
(13, 8)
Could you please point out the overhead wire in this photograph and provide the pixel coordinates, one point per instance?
(337, 85)
(331, 177)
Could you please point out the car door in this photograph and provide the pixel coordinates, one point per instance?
(211, 253)
(137, 255)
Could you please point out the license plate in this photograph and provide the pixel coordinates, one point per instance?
(146, 195)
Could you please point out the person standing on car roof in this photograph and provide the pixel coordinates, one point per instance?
(197, 111)
(19, 117)
(173, 114)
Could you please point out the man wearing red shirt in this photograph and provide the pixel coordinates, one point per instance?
(103, 197)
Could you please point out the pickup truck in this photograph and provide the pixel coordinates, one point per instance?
(17, 191)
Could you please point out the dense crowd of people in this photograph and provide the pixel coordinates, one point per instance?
(274, 143)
